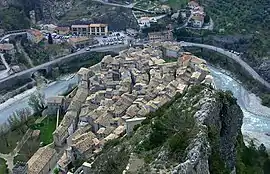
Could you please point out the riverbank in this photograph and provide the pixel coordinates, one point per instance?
(236, 71)
(256, 117)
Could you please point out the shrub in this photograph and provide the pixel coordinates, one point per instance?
(266, 100)
(178, 142)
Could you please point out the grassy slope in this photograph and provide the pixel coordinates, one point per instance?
(47, 130)
(3, 166)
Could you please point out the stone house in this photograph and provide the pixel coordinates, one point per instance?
(84, 146)
(43, 161)
(54, 104)
(173, 51)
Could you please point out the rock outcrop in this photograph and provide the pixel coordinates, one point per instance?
(199, 133)
(224, 117)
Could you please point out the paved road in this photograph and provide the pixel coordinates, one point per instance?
(114, 4)
(8, 35)
(130, 6)
(5, 73)
(45, 65)
(236, 58)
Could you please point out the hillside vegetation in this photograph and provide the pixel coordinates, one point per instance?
(168, 136)
(245, 17)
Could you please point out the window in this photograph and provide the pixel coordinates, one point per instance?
(97, 29)
(92, 29)
(103, 29)
(84, 29)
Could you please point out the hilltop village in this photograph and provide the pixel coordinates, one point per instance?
(114, 96)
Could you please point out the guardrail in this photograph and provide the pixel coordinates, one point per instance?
(15, 31)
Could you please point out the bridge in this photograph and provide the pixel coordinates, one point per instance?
(233, 56)
(11, 80)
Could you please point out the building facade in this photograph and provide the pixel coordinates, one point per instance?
(62, 30)
(160, 36)
(198, 19)
(130, 123)
(80, 42)
(54, 104)
(89, 30)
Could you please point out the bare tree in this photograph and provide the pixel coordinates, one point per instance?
(3, 133)
(23, 115)
(19, 118)
(37, 103)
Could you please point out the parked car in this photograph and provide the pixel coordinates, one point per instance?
(87, 49)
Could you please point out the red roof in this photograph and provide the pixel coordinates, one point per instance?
(34, 32)
(193, 3)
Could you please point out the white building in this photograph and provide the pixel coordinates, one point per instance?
(198, 19)
(131, 123)
(145, 22)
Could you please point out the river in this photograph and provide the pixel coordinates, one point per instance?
(21, 101)
(256, 117)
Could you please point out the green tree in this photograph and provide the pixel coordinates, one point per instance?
(56, 171)
(50, 39)
(207, 19)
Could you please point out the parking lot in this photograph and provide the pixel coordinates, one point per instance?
(112, 39)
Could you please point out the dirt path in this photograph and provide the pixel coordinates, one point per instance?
(10, 157)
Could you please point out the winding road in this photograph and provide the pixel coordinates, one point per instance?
(233, 56)
(130, 6)
(53, 62)
(114, 4)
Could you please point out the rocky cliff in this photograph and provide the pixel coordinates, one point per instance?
(195, 133)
